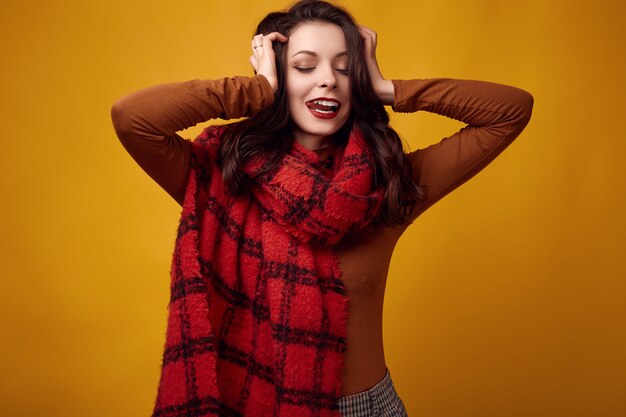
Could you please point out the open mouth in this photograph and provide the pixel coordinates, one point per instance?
(324, 106)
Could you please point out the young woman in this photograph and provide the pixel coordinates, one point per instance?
(290, 216)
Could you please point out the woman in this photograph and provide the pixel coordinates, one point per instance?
(290, 216)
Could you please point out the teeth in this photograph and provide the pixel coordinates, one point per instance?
(324, 111)
(326, 103)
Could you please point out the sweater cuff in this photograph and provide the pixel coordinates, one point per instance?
(267, 93)
(399, 97)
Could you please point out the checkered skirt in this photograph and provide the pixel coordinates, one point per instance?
(380, 400)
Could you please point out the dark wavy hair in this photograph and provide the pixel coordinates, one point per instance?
(269, 132)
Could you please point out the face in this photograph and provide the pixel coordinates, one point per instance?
(317, 81)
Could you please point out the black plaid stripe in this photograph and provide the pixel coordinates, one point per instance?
(311, 399)
(313, 224)
(202, 170)
(233, 296)
(247, 361)
(318, 370)
(189, 348)
(298, 154)
(195, 407)
(299, 207)
(233, 229)
(185, 287)
(321, 340)
(358, 164)
(186, 224)
(287, 296)
(253, 368)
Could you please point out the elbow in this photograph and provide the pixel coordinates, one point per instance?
(523, 110)
(121, 118)
(527, 106)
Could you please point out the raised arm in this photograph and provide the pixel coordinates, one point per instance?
(496, 114)
(146, 121)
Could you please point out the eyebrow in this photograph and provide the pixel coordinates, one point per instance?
(311, 53)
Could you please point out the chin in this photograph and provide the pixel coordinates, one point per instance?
(323, 132)
(323, 128)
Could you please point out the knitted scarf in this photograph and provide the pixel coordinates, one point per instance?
(258, 312)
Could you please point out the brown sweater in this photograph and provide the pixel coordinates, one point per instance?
(146, 123)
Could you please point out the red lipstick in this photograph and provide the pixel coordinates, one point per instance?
(323, 107)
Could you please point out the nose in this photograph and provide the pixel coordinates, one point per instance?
(328, 78)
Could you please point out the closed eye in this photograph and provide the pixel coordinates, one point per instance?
(339, 70)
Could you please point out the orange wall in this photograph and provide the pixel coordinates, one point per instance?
(504, 299)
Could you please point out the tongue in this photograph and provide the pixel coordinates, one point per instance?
(316, 106)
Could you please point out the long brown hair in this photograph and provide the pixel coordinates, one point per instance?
(269, 132)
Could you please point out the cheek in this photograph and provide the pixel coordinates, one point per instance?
(295, 83)
(346, 85)
(294, 93)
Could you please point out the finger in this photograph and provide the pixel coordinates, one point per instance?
(367, 33)
(366, 36)
(256, 50)
(257, 46)
(267, 45)
(253, 62)
(276, 36)
(369, 39)
(367, 30)
(364, 32)
(256, 41)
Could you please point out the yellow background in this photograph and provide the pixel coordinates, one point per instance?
(507, 298)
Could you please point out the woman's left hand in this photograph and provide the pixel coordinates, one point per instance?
(383, 88)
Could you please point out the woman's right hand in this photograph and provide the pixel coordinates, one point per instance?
(263, 58)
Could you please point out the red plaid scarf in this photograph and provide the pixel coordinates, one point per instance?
(258, 311)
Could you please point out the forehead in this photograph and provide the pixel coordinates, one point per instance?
(318, 37)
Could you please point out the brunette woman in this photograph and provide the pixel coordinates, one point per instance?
(290, 216)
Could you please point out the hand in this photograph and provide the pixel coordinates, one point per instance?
(263, 59)
(383, 88)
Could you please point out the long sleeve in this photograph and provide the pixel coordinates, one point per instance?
(147, 120)
(495, 115)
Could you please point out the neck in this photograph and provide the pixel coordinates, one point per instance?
(313, 142)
